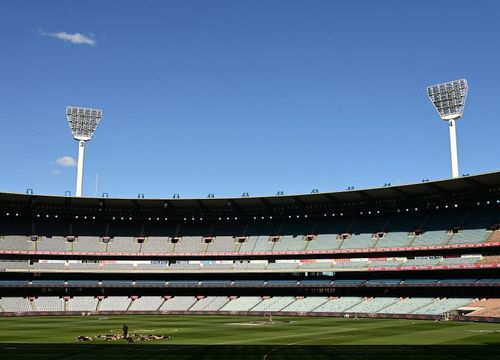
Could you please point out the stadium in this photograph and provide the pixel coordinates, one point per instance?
(406, 270)
(426, 251)
(387, 252)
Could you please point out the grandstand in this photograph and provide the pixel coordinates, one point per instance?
(422, 251)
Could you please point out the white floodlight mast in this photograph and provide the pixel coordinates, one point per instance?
(82, 122)
(79, 171)
(453, 148)
(449, 101)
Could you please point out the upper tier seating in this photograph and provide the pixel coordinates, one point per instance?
(362, 230)
(474, 227)
(396, 233)
(263, 243)
(123, 244)
(469, 236)
(222, 244)
(431, 237)
(54, 243)
(426, 228)
(324, 242)
(156, 244)
(290, 243)
(89, 244)
(190, 244)
(358, 241)
(248, 245)
(436, 228)
(15, 242)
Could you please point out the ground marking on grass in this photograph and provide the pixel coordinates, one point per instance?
(296, 343)
(286, 336)
(484, 331)
(144, 330)
(260, 323)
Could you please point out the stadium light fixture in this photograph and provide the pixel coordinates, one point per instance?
(449, 101)
(82, 122)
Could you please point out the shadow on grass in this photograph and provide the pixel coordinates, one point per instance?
(16, 351)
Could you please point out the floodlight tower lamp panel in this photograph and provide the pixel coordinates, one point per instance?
(83, 122)
(449, 98)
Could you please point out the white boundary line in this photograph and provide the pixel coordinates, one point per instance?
(286, 336)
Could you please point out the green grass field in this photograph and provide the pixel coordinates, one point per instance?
(225, 337)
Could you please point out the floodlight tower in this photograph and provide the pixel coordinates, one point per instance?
(449, 101)
(82, 122)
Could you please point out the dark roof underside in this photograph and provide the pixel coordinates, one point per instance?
(471, 188)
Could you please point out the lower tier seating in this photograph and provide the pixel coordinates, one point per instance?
(485, 307)
(317, 304)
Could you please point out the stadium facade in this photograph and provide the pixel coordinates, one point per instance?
(429, 250)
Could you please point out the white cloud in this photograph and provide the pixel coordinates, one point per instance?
(66, 161)
(76, 38)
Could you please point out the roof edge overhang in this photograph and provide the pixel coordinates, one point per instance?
(472, 187)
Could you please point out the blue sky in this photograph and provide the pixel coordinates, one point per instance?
(227, 97)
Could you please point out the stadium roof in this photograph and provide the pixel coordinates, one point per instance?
(424, 194)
